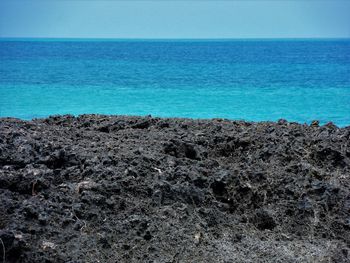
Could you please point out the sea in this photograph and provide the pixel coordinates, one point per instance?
(299, 80)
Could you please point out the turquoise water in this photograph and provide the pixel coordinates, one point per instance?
(256, 80)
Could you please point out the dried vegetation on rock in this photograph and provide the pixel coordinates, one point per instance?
(140, 189)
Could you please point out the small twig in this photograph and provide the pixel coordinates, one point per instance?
(33, 188)
(75, 215)
(158, 170)
(4, 252)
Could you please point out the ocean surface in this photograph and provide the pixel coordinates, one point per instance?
(255, 80)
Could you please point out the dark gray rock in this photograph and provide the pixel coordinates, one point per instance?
(98, 188)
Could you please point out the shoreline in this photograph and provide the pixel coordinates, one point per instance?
(315, 123)
(148, 189)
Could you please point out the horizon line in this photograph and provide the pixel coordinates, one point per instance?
(170, 38)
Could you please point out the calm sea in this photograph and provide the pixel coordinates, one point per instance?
(255, 80)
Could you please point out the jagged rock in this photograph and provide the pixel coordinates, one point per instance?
(98, 188)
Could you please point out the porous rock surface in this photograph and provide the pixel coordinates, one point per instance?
(100, 188)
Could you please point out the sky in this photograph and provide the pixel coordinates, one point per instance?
(175, 18)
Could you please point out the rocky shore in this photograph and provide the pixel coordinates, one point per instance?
(99, 188)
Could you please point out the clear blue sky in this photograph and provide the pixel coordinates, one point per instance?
(175, 19)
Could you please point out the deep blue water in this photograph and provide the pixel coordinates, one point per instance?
(299, 80)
